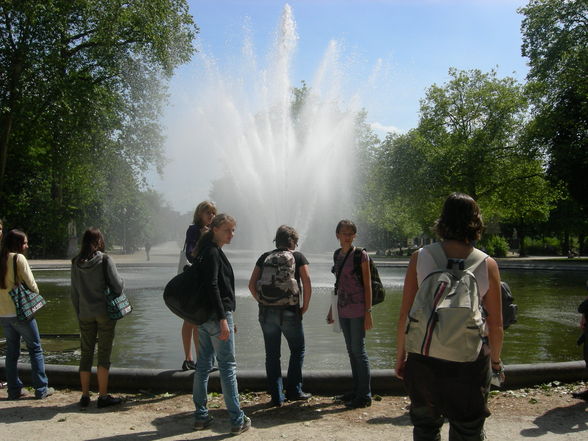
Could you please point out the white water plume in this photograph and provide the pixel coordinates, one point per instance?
(281, 163)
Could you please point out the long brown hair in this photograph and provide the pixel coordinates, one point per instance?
(92, 241)
(13, 243)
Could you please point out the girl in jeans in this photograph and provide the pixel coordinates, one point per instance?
(87, 294)
(217, 335)
(354, 309)
(16, 243)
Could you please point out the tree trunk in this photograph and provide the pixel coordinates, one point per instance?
(5, 129)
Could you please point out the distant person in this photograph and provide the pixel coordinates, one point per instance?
(87, 294)
(203, 216)
(217, 335)
(354, 311)
(147, 248)
(583, 309)
(439, 388)
(276, 284)
(15, 246)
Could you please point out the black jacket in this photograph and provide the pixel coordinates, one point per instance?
(219, 280)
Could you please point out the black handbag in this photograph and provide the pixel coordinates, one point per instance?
(185, 295)
(27, 302)
(117, 304)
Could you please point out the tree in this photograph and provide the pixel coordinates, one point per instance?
(555, 40)
(469, 139)
(81, 92)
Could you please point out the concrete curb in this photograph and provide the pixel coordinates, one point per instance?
(325, 382)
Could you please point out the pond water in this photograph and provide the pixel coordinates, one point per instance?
(547, 329)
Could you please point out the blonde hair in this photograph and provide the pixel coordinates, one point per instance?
(202, 208)
(208, 237)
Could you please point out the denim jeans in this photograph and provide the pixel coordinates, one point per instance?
(275, 322)
(209, 345)
(354, 333)
(14, 329)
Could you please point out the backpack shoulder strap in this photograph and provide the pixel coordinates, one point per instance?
(436, 251)
(474, 260)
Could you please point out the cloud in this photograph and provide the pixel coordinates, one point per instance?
(379, 127)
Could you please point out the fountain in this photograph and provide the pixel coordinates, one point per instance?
(287, 152)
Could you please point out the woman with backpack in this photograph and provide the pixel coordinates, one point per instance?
(439, 386)
(217, 334)
(354, 311)
(280, 283)
(203, 216)
(15, 268)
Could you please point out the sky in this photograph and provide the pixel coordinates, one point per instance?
(412, 42)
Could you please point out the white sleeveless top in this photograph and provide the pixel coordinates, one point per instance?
(426, 265)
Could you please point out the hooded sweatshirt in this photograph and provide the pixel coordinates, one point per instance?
(88, 285)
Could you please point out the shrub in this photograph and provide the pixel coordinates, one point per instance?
(495, 246)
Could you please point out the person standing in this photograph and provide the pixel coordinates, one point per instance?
(354, 309)
(441, 388)
(583, 310)
(203, 216)
(217, 335)
(88, 287)
(12, 257)
(276, 284)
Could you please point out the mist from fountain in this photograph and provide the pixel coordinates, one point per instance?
(281, 163)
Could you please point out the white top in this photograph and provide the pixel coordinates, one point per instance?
(426, 265)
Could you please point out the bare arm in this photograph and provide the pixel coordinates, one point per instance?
(367, 291)
(306, 287)
(493, 305)
(255, 275)
(408, 295)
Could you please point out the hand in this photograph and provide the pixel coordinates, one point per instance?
(583, 322)
(367, 322)
(224, 330)
(304, 309)
(399, 368)
(330, 320)
(235, 329)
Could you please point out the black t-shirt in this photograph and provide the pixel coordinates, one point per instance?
(299, 260)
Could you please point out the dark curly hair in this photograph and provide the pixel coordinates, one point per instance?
(460, 219)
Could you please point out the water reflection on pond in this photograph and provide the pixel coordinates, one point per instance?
(150, 337)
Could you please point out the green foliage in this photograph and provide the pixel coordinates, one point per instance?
(468, 140)
(495, 246)
(555, 40)
(82, 86)
(545, 246)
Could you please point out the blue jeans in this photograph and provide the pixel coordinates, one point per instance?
(275, 322)
(354, 333)
(14, 329)
(210, 344)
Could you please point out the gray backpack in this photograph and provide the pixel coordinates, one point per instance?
(277, 285)
(446, 319)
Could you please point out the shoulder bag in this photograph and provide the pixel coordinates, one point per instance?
(117, 304)
(27, 302)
